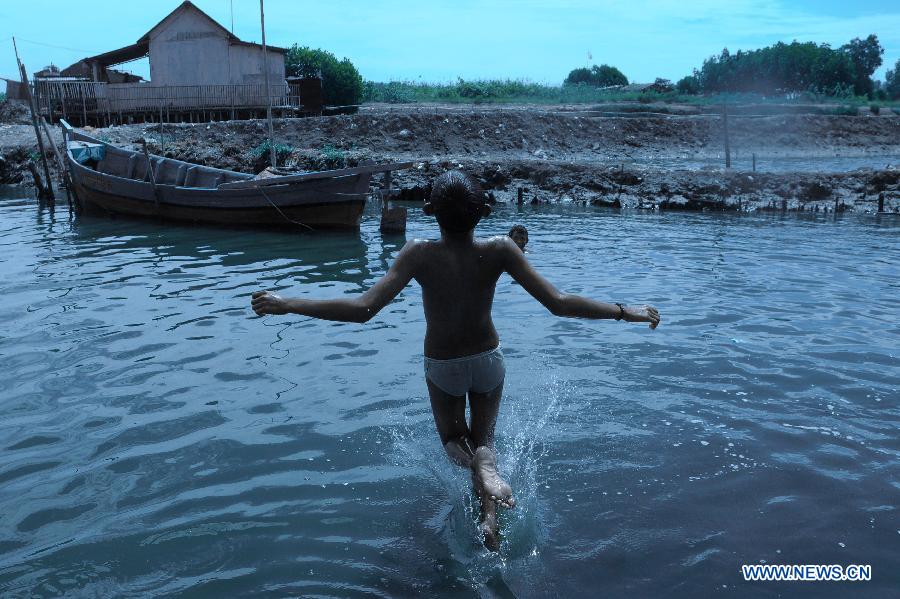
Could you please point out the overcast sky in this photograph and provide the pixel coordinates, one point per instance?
(437, 40)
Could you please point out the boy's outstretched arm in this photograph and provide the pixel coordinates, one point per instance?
(357, 309)
(563, 304)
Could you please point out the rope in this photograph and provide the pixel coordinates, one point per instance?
(290, 220)
(22, 39)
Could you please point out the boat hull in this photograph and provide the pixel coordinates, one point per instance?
(333, 215)
(124, 182)
(320, 204)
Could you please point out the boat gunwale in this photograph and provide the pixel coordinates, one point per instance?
(245, 181)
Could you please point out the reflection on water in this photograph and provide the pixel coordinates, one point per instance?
(157, 438)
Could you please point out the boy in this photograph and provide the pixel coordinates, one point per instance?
(519, 235)
(458, 275)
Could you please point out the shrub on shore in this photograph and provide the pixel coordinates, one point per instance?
(260, 154)
(525, 92)
(342, 84)
(596, 76)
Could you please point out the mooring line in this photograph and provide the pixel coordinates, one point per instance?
(290, 220)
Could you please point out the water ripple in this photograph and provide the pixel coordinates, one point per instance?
(157, 438)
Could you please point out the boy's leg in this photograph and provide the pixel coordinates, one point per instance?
(488, 483)
(450, 419)
(490, 530)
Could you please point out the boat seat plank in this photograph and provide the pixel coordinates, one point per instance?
(344, 172)
(189, 175)
(182, 175)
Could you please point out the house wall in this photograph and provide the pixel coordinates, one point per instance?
(246, 65)
(189, 50)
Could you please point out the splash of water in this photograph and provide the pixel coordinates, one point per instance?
(524, 421)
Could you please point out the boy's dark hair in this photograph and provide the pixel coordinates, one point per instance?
(457, 201)
(518, 229)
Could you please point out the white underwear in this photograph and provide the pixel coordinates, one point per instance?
(479, 373)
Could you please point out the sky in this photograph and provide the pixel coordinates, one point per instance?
(439, 41)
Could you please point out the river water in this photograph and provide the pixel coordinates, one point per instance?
(159, 439)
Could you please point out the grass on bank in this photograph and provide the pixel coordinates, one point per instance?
(510, 91)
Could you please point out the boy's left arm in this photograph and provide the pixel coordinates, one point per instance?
(357, 309)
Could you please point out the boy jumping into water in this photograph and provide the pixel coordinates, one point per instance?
(458, 275)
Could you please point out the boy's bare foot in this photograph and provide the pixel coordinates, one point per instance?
(487, 480)
(490, 533)
(460, 451)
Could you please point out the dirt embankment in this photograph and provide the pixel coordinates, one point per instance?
(558, 154)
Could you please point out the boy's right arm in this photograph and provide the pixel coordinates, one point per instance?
(563, 304)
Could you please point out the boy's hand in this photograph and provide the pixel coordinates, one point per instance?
(264, 303)
(642, 314)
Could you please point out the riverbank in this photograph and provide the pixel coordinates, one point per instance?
(559, 153)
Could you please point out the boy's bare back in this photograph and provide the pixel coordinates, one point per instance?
(458, 280)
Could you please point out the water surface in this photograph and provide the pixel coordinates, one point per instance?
(159, 439)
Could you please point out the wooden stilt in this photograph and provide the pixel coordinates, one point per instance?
(60, 163)
(37, 131)
(727, 141)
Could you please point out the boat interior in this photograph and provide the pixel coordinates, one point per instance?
(166, 171)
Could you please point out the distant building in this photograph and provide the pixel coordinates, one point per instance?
(188, 47)
(47, 72)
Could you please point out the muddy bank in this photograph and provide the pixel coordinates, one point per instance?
(555, 135)
(551, 155)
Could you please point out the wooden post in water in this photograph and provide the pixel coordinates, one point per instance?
(37, 130)
(881, 202)
(60, 162)
(162, 145)
(727, 144)
(393, 220)
(262, 19)
(754, 162)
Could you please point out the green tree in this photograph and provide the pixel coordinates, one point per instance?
(577, 76)
(598, 76)
(892, 82)
(866, 57)
(780, 68)
(342, 84)
(688, 85)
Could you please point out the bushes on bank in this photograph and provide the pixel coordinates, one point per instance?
(342, 84)
(597, 76)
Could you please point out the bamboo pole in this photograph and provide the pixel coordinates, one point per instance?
(34, 121)
(60, 163)
(727, 143)
(262, 19)
(150, 171)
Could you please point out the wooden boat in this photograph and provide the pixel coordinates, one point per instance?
(133, 183)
